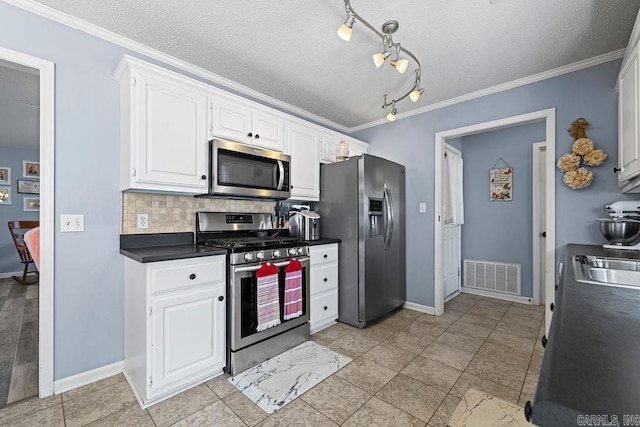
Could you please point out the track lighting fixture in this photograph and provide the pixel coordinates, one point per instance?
(415, 94)
(392, 115)
(380, 57)
(400, 64)
(345, 29)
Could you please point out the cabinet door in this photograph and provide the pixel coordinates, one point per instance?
(328, 148)
(268, 131)
(187, 335)
(171, 135)
(628, 138)
(232, 120)
(302, 146)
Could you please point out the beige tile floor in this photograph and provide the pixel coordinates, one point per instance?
(408, 369)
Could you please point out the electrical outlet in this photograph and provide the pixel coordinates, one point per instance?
(71, 223)
(143, 220)
(423, 208)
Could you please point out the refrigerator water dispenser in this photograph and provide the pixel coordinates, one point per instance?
(375, 217)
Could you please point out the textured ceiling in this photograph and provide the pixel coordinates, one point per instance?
(289, 50)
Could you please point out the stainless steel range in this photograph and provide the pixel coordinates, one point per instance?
(251, 241)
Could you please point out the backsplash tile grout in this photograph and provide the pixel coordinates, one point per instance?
(175, 213)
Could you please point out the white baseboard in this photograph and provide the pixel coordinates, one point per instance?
(419, 307)
(512, 298)
(87, 377)
(11, 274)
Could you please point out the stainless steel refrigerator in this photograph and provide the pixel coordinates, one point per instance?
(362, 203)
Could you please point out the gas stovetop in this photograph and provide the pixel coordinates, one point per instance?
(249, 242)
(249, 238)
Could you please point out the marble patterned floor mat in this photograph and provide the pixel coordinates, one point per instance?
(279, 380)
(478, 409)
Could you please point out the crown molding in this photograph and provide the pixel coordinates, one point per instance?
(94, 30)
(576, 66)
(104, 34)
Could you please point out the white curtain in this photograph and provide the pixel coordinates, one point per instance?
(453, 195)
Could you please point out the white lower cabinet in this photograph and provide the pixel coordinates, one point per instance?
(174, 325)
(324, 286)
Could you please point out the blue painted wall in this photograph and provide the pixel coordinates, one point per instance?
(11, 157)
(586, 93)
(500, 231)
(89, 270)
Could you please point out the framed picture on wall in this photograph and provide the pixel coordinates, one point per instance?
(5, 175)
(28, 187)
(5, 195)
(30, 169)
(31, 204)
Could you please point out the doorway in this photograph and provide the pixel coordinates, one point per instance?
(546, 116)
(539, 220)
(453, 218)
(45, 293)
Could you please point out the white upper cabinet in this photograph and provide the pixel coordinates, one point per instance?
(163, 131)
(628, 116)
(167, 121)
(303, 145)
(241, 122)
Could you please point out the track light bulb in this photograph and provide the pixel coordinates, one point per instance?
(345, 30)
(415, 94)
(401, 65)
(380, 57)
(392, 115)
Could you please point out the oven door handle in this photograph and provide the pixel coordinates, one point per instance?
(257, 267)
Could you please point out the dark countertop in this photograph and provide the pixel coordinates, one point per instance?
(591, 364)
(163, 247)
(323, 241)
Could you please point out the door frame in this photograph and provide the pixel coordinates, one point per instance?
(538, 149)
(47, 219)
(449, 147)
(549, 117)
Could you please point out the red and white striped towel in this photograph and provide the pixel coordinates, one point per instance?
(293, 290)
(268, 297)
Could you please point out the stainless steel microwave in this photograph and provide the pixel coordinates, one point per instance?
(241, 170)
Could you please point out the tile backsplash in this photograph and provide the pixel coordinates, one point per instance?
(171, 213)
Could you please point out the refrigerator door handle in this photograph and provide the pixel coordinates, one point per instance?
(388, 233)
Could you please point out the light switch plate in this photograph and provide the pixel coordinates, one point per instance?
(71, 223)
(423, 208)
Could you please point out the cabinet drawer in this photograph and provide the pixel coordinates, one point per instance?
(323, 253)
(171, 275)
(324, 307)
(324, 278)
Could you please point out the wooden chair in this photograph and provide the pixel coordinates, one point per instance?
(17, 230)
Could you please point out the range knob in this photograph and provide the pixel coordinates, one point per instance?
(292, 251)
(277, 253)
(248, 256)
(300, 251)
(260, 255)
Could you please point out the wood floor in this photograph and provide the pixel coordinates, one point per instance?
(18, 341)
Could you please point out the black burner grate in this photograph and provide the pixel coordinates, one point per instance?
(251, 242)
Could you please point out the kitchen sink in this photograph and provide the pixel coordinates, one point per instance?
(598, 270)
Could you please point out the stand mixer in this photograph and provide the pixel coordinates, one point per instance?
(622, 213)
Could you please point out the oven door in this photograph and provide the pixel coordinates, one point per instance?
(242, 170)
(243, 313)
